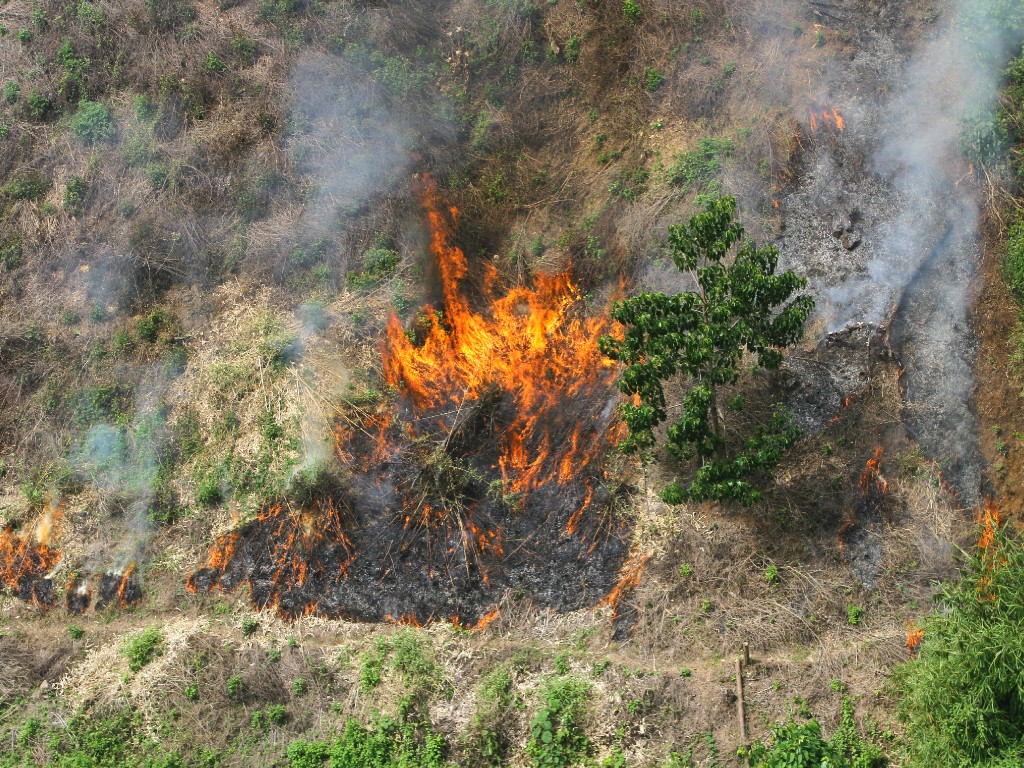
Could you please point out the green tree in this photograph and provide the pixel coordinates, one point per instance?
(739, 306)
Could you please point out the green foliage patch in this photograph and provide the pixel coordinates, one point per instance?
(698, 167)
(142, 648)
(801, 745)
(557, 731)
(962, 698)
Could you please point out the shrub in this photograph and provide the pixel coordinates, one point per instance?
(214, 64)
(235, 686)
(961, 698)
(377, 264)
(632, 11)
(209, 493)
(150, 326)
(39, 105)
(249, 625)
(192, 692)
(11, 91)
(299, 686)
(854, 614)
(24, 36)
(10, 255)
(1014, 260)
(26, 185)
(142, 648)
(572, 48)
(652, 79)
(556, 736)
(75, 632)
(245, 49)
(276, 714)
(75, 192)
(697, 167)
(801, 745)
(92, 123)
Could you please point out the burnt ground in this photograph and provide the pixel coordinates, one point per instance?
(884, 224)
(426, 533)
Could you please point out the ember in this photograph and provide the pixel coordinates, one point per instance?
(488, 472)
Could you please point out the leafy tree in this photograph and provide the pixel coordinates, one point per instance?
(739, 306)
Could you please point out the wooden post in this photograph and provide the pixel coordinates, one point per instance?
(739, 700)
(746, 654)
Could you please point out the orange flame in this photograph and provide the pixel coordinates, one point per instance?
(629, 577)
(829, 118)
(25, 560)
(915, 637)
(871, 479)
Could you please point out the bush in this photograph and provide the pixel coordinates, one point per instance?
(235, 686)
(92, 123)
(26, 185)
(652, 79)
(961, 698)
(299, 686)
(1014, 260)
(698, 167)
(75, 192)
(143, 648)
(801, 745)
(249, 625)
(39, 105)
(378, 264)
(556, 736)
(214, 64)
(632, 11)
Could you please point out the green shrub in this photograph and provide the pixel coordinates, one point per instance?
(11, 91)
(10, 255)
(142, 648)
(214, 64)
(26, 185)
(632, 11)
(150, 327)
(699, 166)
(961, 699)
(1014, 260)
(235, 686)
(208, 492)
(276, 714)
(572, 48)
(75, 632)
(38, 104)
(801, 745)
(854, 614)
(245, 49)
(299, 686)
(557, 738)
(192, 692)
(652, 79)
(75, 191)
(377, 264)
(92, 123)
(24, 36)
(249, 625)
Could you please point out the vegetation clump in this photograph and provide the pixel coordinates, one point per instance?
(142, 648)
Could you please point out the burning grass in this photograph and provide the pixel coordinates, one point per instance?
(27, 560)
(490, 470)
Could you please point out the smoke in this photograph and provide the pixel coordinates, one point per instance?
(899, 190)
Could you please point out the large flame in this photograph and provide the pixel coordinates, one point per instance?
(531, 344)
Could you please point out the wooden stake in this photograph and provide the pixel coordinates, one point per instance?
(746, 654)
(739, 699)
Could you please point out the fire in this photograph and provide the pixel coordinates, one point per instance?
(484, 473)
(871, 480)
(27, 560)
(531, 345)
(915, 637)
(629, 577)
(829, 118)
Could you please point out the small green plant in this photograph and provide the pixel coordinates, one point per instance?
(92, 123)
(854, 614)
(273, 654)
(245, 49)
(24, 36)
(26, 185)
(192, 692)
(378, 264)
(11, 91)
(70, 318)
(632, 11)
(276, 714)
(557, 737)
(699, 166)
(75, 632)
(653, 79)
(250, 624)
(75, 191)
(562, 664)
(685, 672)
(299, 686)
(214, 64)
(771, 575)
(728, 69)
(836, 685)
(572, 48)
(819, 38)
(685, 570)
(235, 686)
(706, 605)
(142, 648)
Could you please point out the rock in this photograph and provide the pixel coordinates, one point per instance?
(838, 228)
(850, 240)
